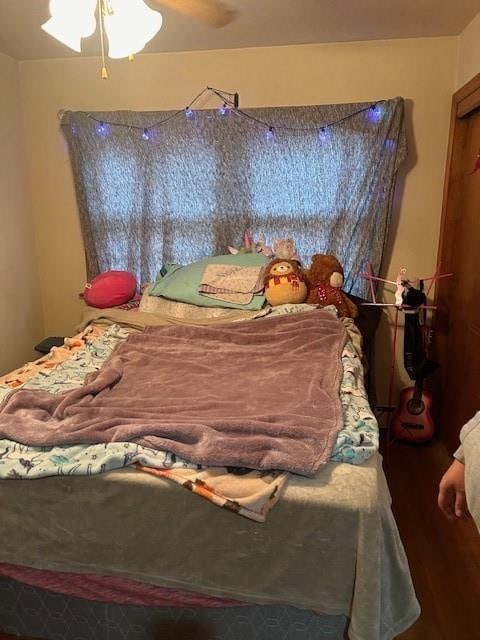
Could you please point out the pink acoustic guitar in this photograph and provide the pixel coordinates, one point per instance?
(413, 421)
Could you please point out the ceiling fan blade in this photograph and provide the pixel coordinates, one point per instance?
(213, 12)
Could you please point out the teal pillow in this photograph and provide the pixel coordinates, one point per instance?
(181, 282)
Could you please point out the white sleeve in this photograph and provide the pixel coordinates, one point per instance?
(470, 438)
(472, 425)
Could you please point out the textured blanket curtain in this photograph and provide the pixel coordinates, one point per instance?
(191, 186)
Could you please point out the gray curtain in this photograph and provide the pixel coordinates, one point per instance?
(198, 183)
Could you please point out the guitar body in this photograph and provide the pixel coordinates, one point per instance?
(413, 421)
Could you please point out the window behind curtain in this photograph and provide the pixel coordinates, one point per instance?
(197, 184)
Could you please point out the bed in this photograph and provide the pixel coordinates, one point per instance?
(131, 554)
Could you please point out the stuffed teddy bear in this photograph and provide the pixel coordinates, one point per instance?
(325, 280)
(284, 282)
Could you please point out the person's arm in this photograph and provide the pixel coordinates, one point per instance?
(451, 493)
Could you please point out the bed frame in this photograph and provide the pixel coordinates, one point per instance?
(31, 611)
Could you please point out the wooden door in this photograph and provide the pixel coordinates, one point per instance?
(457, 324)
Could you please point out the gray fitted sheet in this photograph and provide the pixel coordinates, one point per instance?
(330, 544)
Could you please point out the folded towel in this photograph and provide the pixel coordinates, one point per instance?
(232, 283)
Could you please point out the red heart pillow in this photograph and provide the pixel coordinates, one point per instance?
(110, 289)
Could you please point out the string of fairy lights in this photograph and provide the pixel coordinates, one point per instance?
(230, 104)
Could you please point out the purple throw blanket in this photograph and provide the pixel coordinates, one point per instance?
(257, 394)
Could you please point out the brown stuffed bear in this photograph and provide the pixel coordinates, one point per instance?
(284, 282)
(325, 279)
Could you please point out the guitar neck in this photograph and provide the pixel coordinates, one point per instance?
(418, 389)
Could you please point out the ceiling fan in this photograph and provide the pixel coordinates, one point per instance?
(212, 12)
(128, 24)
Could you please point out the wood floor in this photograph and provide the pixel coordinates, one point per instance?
(444, 557)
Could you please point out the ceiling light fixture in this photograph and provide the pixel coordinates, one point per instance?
(128, 25)
(71, 21)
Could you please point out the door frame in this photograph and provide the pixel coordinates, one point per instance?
(464, 101)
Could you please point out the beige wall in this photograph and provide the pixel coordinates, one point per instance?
(469, 52)
(20, 303)
(421, 70)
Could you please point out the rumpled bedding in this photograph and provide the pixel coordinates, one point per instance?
(260, 395)
(248, 493)
(56, 355)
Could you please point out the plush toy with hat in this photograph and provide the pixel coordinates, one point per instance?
(284, 282)
(285, 248)
(325, 280)
(247, 246)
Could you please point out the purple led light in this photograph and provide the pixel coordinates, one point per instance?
(146, 134)
(102, 129)
(270, 134)
(390, 144)
(223, 111)
(189, 112)
(323, 134)
(375, 113)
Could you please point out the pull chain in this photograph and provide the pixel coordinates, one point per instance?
(102, 41)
